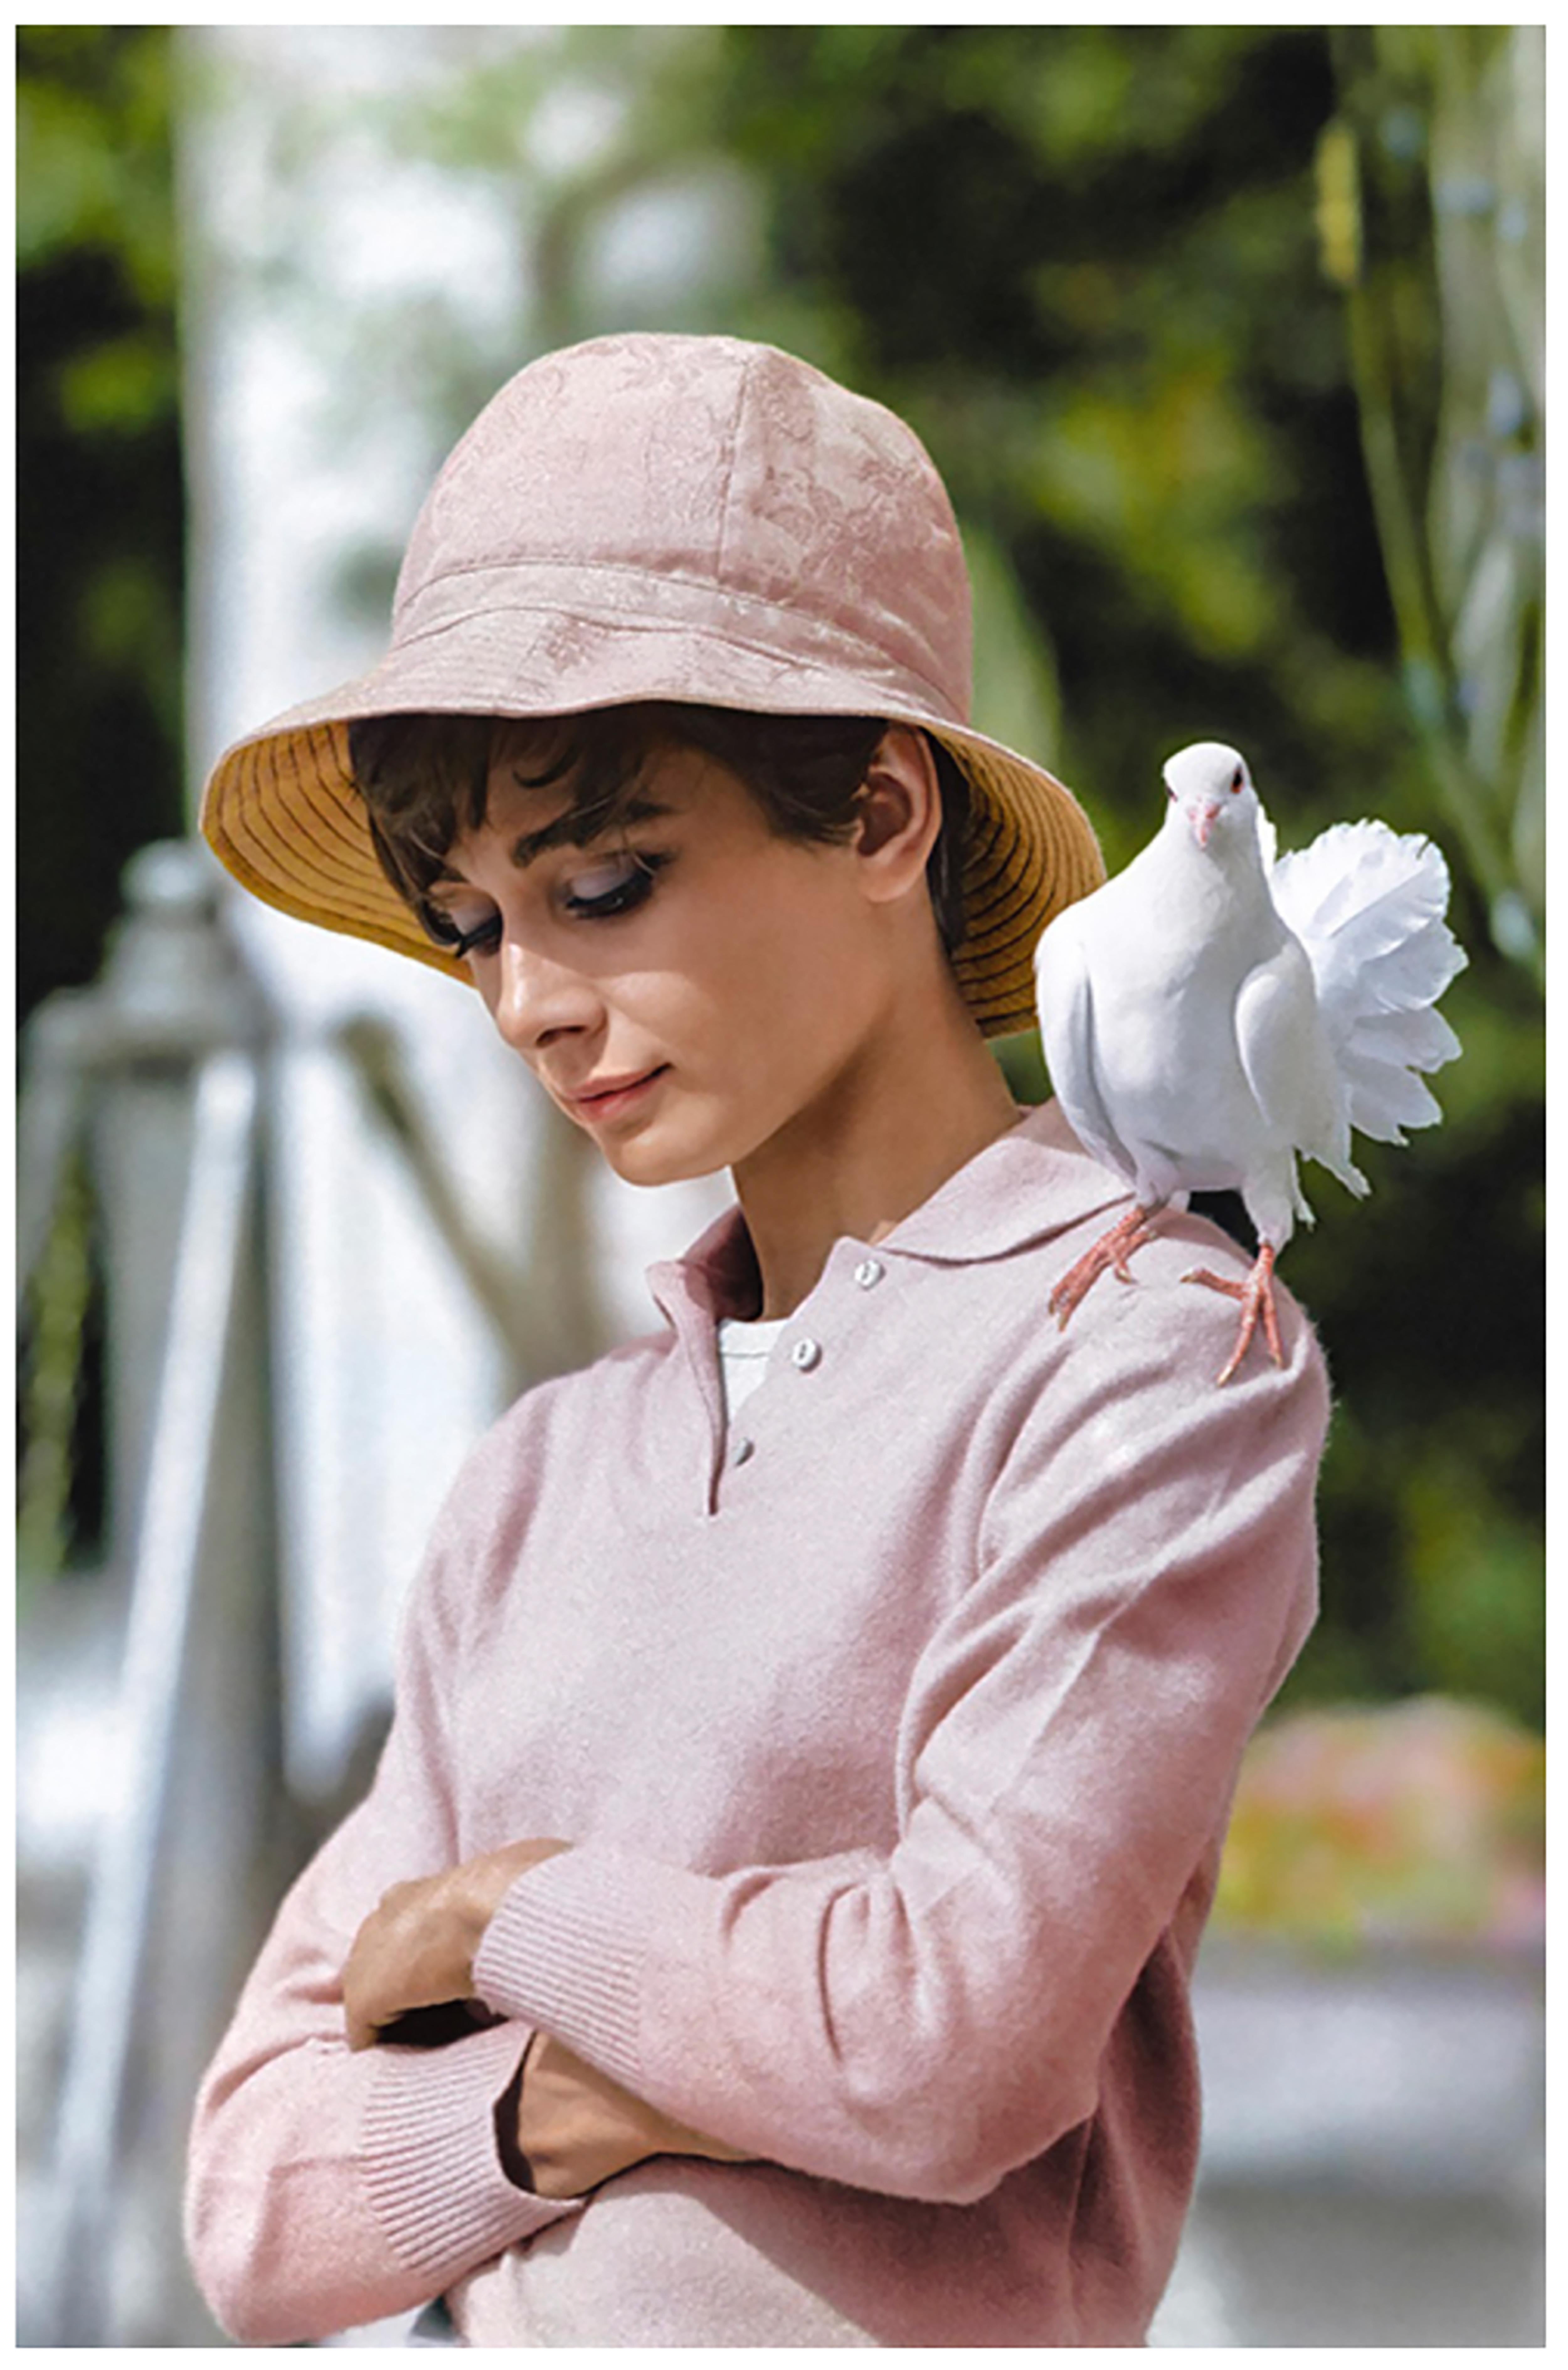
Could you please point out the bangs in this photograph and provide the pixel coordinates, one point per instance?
(425, 779)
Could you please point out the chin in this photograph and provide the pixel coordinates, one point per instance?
(642, 1162)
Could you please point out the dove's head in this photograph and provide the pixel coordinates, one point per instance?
(1212, 791)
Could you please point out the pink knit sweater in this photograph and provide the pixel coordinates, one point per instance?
(896, 1736)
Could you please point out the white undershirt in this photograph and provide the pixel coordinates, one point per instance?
(745, 1346)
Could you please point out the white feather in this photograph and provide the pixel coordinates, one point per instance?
(1368, 904)
(1217, 1011)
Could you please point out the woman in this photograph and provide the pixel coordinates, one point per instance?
(773, 1917)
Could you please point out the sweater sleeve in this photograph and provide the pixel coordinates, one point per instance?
(326, 2188)
(922, 2022)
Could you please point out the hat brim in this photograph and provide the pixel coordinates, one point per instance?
(281, 810)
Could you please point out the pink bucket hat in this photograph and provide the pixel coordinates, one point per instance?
(674, 518)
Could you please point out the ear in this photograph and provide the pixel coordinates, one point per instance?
(900, 814)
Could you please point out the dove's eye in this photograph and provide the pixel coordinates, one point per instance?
(1237, 779)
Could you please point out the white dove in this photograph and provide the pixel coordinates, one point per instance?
(1212, 1013)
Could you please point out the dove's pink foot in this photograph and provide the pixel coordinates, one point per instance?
(1257, 1296)
(1113, 1249)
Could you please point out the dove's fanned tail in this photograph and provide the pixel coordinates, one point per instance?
(1369, 905)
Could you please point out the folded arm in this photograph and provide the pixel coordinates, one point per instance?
(363, 2136)
(562, 2127)
(923, 2024)
(330, 2186)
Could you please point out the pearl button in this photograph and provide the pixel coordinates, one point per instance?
(743, 1449)
(806, 1354)
(869, 1273)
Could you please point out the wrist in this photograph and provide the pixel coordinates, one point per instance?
(481, 1885)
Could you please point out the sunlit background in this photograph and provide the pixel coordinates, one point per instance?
(1229, 343)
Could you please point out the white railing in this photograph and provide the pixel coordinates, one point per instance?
(213, 1246)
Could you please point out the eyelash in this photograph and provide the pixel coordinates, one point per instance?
(625, 897)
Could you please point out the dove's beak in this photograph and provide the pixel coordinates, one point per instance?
(1202, 821)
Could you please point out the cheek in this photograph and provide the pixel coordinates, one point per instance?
(758, 984)
(773, 1011)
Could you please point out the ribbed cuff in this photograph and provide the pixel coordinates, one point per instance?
(432, 2165)
(569, 1949)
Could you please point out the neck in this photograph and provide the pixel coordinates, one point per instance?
(922, 1098)
(1232, 849)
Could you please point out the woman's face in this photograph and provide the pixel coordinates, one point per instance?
(689, 989)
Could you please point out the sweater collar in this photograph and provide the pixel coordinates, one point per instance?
(1033, 1182)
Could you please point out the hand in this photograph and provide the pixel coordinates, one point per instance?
(576, 2127)
(416, 1947)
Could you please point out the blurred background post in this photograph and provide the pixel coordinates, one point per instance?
(1229, 341)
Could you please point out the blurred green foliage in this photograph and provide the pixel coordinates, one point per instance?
(1433, 174)
(60, 1310)
(99, 493)
(100, 531)
(1225, 339)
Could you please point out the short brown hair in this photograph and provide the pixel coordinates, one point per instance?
(424, 779)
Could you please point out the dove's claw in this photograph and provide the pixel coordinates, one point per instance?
(1113, 1249)
(1257, 1296)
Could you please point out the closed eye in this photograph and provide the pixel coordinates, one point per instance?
(613, 888)
(481, 937)
(600, 893)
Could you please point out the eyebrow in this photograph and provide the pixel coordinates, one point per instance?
(578, 826)
(575, 826)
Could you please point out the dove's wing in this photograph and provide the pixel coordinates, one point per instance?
(1288, 1064)
(1065, 1001)
(1368, 904)
(1268, 840)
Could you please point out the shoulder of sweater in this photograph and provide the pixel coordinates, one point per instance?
(1170, 1336)
(1157, 1321)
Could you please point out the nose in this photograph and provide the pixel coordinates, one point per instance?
(539, 1000)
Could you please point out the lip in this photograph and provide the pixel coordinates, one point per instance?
(608, 1097)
